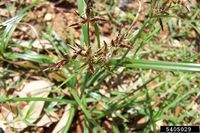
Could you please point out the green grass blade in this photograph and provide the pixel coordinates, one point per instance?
(10, 26)
(161, 65)
(97, 34)
(81, 6)
(97, 76)
(28, 99)
(70, 119)
(31, 56)
(78, 100)
(85, 34)
(84, 109)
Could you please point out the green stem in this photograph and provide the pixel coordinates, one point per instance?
(88, 31)
(29, 99)
(72, 112)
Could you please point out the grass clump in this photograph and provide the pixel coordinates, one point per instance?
(142, 78)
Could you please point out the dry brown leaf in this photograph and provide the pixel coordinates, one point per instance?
(4, 12)
(178, 110)
(2, 90)
(56, 76)
(63, 120)
(2, 3)
(38, 88)
(39, 44)
(48, 17)
(160, 123)
(32, 111)
(107, 126)
(48, 119)
(42, 44)
(4, 116)
(176, 43)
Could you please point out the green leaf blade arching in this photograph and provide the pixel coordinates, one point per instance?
(81, 6)
(160, 65)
